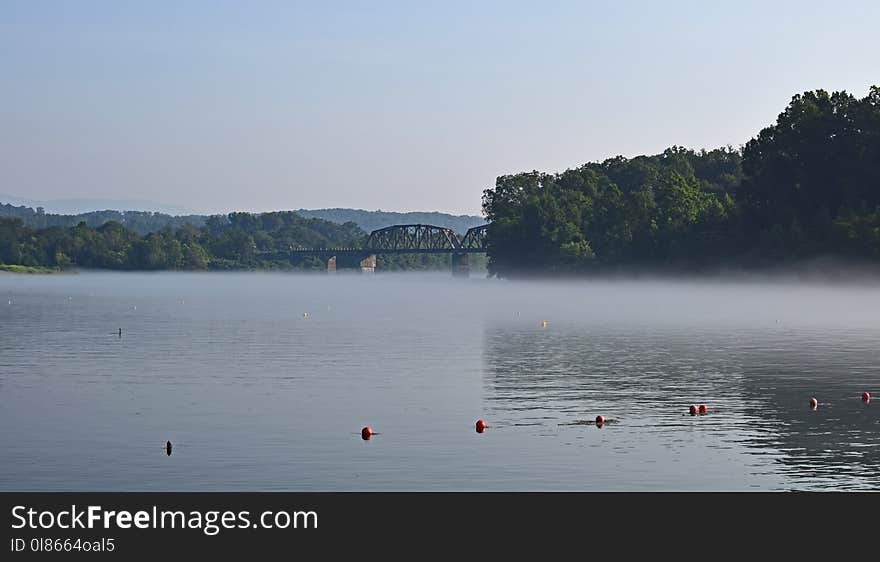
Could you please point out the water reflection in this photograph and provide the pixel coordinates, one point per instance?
(837, 444)
(757, 385)
(634, 374)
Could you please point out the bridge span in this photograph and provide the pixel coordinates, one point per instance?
(401, 239)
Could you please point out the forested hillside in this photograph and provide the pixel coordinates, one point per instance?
(804, 187)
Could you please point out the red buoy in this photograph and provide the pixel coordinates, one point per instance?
(866, 396)
(814, 403)
(366, 433)
(693, 410)
(481, 426)
(600, 420)
(703, 409)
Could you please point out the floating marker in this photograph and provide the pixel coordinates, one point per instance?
(693, 410)
(481, 426)
(814, 403)
(305, 314)
(866, 396)
(366, 433)
(543, 323)
(168, 448)
(703, 409)
(600, 420)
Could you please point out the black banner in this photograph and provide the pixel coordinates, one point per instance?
(125, 525)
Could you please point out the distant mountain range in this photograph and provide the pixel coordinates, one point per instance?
(77, 206)
(147, 216)
(372, 220)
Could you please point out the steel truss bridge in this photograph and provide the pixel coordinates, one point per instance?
(406, 239)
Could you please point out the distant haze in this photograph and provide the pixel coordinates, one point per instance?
(397, 106)
(78, 206)
(372, 220)
(96, 212)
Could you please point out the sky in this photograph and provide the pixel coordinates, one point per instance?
(258, 106)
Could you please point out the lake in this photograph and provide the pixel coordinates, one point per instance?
(262, 381)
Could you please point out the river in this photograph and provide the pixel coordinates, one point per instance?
(263, 381)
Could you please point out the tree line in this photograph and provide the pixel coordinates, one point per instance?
(237, 241)
(144, 222)
(804, 187)
(233, 241)
(141, 222)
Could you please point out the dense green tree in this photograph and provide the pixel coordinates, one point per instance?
(808, 185)
(644, 210)
(236, 241)
(817, 165)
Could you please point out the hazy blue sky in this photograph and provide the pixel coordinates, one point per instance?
(400, 106)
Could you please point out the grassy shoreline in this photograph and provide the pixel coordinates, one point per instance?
(28, 270)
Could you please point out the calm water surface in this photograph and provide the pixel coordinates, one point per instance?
(257, 396)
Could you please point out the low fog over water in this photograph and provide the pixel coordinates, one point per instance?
(263, 381)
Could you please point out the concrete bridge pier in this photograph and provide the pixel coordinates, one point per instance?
(461, 266)
(368, 264)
